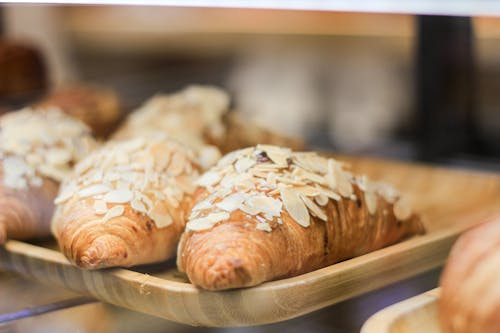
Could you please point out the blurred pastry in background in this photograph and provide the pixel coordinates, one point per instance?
(470, 292)
(23, 75)
(241, 132)
(38, 149)
(199, 117)
(97, 107)
(192, 116)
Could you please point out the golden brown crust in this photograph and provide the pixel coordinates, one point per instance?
(127, 240)
(235, 254)
(470, 296)
(26, 213)
(126, 204)
(99, 108)
(262, 214)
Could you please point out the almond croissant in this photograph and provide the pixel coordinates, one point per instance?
(126, 203)
(38, 148)
(266, 212)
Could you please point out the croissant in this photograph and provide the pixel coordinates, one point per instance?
(126, 203)
(199, 117)
(37, 151)
(192, 116)
(99, 108)
(267, 212)
(470, 296)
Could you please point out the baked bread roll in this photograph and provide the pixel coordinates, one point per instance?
(266, 212)
(99, 108)
(470, 289)
(192, 116)
(199, 117)
(126, 203)
(37, 151)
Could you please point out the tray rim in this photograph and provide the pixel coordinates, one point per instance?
(382, 321)
(336, 283)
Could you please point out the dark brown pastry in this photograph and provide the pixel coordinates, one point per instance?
(22, 74)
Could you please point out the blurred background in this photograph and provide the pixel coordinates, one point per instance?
(356, 83)
(420, 88)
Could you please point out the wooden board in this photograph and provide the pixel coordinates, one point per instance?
(450, 201)
(414, 315)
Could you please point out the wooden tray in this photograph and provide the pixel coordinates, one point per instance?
(414, 315)
(449, 200)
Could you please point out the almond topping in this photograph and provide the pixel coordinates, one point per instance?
(295, 206)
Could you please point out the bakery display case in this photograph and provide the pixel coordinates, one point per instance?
(133, 141)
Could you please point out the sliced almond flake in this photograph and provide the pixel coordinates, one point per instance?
(267, 167)
(290, 181)
(229, 159)
(243, 164)
(138, 206)
(177, 163)
(133, 144)
(311, 162)
(122, 157)
(161, 220)
(100, 207)
(308, 191)
(58, 156)
(260, 219)
(344, 185)
(208, 156)
(265, 205)
(57, 174)
(330, 194)
(280, 221)
(65, 193)
(259, 174)
(313, 208)
(278, 157)
(232, 202)
(274, 192)
(362, 183)
(93, 190)
(312, 177)
(113, 212)
(249, 209)
(402, 209)
(144, 199)
(295, 206)
(271, 179)
(172, 201)
(264, 227)
(205, 204)
(118, 196)
(330, 177)
(199, 224)
(389, 193)
(209, 179)
(322, 199)
(206, 222)
(269, 217)
(371, 202)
